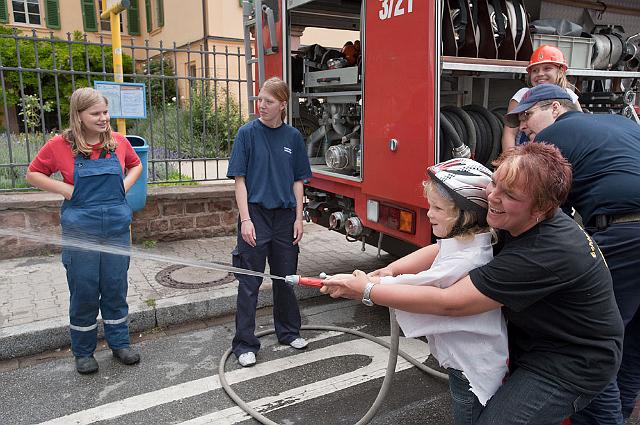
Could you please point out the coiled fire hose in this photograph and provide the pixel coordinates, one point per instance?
(393, 347)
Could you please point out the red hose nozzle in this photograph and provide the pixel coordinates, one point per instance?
(296, 279)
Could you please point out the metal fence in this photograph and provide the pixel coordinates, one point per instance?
(196, 100)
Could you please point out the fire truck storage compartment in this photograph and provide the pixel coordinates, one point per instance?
(328, 94)
(471, 94)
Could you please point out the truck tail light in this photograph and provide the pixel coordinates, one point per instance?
(397, 218)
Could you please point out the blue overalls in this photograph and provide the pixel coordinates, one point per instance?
(98, 212)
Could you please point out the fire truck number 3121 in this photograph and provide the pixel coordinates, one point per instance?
(388, 11)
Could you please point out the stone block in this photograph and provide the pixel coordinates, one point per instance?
(208, 220)
(44, 218)
(182, 223)
(229, 217)
(12, 220)
(195, 207)
(150, 210)
(156, 226)
(221, 205)
(170, 209)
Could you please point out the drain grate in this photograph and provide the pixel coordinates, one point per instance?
(187, 277)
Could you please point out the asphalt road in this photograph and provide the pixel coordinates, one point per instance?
(333, 381)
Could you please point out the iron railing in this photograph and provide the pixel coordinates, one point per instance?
(195, 101)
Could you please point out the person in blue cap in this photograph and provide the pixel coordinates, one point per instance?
(269, 164)
(604, 151)
(98, 166)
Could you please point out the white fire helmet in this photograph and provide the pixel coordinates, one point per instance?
(465, 180)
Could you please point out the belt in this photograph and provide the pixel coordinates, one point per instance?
(602, 221)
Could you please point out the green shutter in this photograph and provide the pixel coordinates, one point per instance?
(160, 10)
(133, 18)
(147, 9)
(89, 15)
(4, 12)
(52, 11)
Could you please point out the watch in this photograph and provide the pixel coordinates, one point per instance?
(366, 295)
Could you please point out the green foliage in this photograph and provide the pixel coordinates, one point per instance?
(161, 90)
(64, 55)
(23, 149)
(31, 110)
(217, 118)
(202, 127)
(149, 243)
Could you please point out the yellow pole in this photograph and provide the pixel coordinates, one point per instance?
(116, 45)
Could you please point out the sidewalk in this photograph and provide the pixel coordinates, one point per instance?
(35, 298)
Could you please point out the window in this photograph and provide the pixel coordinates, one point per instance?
(192, 70)
(154, 12)
(105, 24)
(26, 11)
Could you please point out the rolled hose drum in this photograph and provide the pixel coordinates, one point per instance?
(473, 126)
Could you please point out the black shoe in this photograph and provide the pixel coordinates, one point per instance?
(126, 356)
(86, 365)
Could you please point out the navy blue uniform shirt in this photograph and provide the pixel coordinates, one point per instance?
(271, 160)
(604, 151)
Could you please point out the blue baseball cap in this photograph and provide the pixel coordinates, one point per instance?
(534, 95)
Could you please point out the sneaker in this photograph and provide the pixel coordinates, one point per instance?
(247, 359)
(299, 343)
(86, 365)
(126, 356)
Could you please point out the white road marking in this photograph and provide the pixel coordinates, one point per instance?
(374, 370)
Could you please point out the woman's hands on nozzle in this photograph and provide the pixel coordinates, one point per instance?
(345, 285)
(385, 271)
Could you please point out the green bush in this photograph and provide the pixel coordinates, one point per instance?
(14, 177)
(203, 127)
(48, 51)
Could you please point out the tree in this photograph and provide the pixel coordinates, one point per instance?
(65, 55)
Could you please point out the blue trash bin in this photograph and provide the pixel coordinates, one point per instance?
(137, 195)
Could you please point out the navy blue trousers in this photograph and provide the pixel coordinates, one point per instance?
(274, 242)
(620, 244)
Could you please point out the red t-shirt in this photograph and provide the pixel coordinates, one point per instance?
(56, 155)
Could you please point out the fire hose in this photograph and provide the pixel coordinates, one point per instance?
(393, 347)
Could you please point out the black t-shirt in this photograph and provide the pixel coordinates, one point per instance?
(558, 299)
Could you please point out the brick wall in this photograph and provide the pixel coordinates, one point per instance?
(171, 213)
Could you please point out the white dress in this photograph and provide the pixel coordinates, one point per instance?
(476, 345)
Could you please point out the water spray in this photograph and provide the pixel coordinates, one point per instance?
(88, 243)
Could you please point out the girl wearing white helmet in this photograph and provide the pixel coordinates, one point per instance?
(546, 66)
(473, 349)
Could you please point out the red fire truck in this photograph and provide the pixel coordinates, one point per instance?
(421, 82)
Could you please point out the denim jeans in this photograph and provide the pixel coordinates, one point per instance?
(528, 398)
(466, 407)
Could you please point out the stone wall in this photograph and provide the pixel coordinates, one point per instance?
(171, 213)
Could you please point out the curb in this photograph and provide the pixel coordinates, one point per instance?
(46, 335)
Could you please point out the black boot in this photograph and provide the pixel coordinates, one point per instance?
(86, 365)
(126, 356)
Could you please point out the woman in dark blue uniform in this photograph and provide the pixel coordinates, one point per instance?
(92, 161)
(269, 163)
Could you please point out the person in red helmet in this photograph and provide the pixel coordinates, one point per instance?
(546, 66)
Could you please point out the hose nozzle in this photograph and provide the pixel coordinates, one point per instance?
(296, 279)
